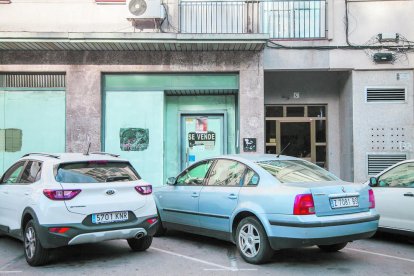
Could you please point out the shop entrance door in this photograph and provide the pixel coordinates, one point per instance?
(202, 136)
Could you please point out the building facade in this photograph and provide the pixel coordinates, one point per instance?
(329, 81)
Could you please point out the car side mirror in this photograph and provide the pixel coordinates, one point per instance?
(373, 182)
(171, 180)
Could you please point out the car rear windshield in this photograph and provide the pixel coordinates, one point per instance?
(95, 172)
(288, 171)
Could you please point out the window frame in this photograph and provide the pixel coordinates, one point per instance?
(192, 167)
(244, 176)
(39, 175)
(215, 162)
(391, 169)
(11, 168)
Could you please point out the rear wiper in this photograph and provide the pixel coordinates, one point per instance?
(116, 178)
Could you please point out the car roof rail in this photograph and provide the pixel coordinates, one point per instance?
(42, 154)
(105, 153)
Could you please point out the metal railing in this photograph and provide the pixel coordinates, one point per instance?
(288, 19)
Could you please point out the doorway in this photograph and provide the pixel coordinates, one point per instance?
(202, 136)
(298, 131)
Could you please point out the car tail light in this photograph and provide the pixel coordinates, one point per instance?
(59, 230)
(144, 190)
(304, 205)
(61, 194)
(152, 220)
(371, 199)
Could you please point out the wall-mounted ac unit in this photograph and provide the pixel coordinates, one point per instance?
(136, 9)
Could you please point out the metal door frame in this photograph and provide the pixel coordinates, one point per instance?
(181, 135)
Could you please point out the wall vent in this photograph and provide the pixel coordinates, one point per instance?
(382, 94)
(379, 162)
(28, 80)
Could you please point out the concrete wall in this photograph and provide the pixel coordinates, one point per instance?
(388, 119)
(366, 20)
(346, 128)
(84, 70)
(314, 88)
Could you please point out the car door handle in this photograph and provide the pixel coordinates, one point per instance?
(27, 193)
(232, 196)
(409, 194)
(6, 192)
(194, 195)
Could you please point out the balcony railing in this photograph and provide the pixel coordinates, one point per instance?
(289, 19)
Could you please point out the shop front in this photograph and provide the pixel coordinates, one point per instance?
(163, 123)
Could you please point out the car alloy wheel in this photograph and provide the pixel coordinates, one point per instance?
(30, 242)
(249, 240)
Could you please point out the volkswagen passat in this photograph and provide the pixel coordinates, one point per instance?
(50, 201)
(264, 203)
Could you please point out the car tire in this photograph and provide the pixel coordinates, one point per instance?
(34, 252)
(161, 230)
(141, 244)
(252, 241)
(332, 247)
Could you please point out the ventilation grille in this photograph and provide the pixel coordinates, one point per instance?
(396, 95)
(32, 80)
(201, 92)
(379, 162)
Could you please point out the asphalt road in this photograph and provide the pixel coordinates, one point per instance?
(186, 254)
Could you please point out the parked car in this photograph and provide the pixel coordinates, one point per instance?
(50, 201)
(266, 202)
(394, 193)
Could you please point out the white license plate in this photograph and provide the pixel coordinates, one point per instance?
(343, 202)
(109, 217)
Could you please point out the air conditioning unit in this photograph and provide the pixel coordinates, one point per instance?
(145, 9)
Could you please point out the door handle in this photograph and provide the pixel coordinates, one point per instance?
(194, 195)
(27, 193)
(232, 196)
(409, 194)
(6, 192)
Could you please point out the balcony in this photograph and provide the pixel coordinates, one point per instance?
(289, 19)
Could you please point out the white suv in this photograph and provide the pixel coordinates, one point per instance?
(49, 201)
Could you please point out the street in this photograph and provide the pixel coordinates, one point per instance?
(186, 254)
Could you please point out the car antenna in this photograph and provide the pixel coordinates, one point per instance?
(89, 147)
(283, 150)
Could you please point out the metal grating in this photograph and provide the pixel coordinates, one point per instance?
(395, 95)
(379, 162)
(32, 80)
(203, 92)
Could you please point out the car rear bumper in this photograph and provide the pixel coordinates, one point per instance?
(324, 231)
(80, 233)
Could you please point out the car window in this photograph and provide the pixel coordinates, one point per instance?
(251, 178)
(400, 176)
(12, 175)
(31, 172)
(290, 171)
(95, 172)
(226, 173)
(195, 175)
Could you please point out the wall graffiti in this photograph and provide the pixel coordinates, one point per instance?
(134, 139)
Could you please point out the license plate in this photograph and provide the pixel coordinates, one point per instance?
(344, 202)
(109, 217)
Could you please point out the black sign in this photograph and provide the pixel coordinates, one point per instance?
(201, 138)
(249, 144)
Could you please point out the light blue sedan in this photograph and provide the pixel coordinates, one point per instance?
(264, 203)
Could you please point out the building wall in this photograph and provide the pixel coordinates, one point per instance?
(376, 125)
(346, 128)
(84, 71)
